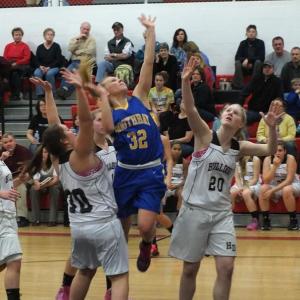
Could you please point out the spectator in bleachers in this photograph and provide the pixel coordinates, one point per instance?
(49, 61)
(38, 124)
(279, 57)
(161, 96)
(118, 51)
(18, 55)
(16, 157)
(4, 76)
(263, 88)
(246, 187)
(248, 58)
(179, 39)
(203, 98)
(286, 129)
(175, 126)
(209, 77)
(291, 69)
(166, 62)
(191, 48)
(81, 47)
(280, 180)
(41, 169)
(292, 100)
(75, 125)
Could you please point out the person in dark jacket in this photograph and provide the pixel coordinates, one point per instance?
(291, 70)
(166, 62)
(264, 88)
(248, 58)
(49, 60)
(118, 51)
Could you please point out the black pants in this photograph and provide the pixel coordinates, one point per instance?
(16, 75)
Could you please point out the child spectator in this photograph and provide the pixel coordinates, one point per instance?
(292, 100)
(41, 169)
(246, 187)
(160, 95)
(280, 180)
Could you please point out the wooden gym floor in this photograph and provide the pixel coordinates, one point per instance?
(267, 267)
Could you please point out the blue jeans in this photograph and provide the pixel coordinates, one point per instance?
(103, 68)
(49, 76)
(73, 65)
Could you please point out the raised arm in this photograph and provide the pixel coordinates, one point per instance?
(84, 143)
(199, 127)
(145, 80)
(271, 119)
(52, 113)
(102, 96)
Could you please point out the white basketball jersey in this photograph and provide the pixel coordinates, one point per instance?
(177, 174)
(90, 198)
(6, 183)
(209, 176)
(110, 159)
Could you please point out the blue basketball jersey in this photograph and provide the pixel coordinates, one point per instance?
(136, 136)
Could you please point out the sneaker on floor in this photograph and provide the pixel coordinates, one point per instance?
(293, 225)
(253, 225)
(154, 250)
(144, 258)
(63, 293)
(107, 295)
(266, 225)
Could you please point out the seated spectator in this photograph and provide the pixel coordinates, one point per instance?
(280, 180)
(16, 157)
(81, 47)
(209, 77)
(246, 187)
(203, 98)
(291, 69)
(286, 129)
(75, 125)
(263, 88)
(191, 48)
(166, 62)
(279, 57)
(38, 124)
(139, 57)
(248, 58)
(160, 95)
(179, 39)
(40, 168)
(292, 100)
(18, 55)
(118, 51)
(49, 61)
(4, 75)
(175, 126)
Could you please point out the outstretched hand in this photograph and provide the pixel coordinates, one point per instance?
(96, 90)
(273, 115)
(189, 68)
(72, 77)
(39, 82)
(147, 22)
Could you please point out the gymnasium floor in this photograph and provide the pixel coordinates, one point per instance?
(267, 267)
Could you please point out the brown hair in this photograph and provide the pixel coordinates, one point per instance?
(53, 138)
(17, 29)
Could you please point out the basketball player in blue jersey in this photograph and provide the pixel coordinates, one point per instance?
(205, 222)
(97, 235)
(139, 180)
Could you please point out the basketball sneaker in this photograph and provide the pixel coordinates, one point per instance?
(266, 225)
(63, 293)
(154, 250)
(253, 225)
(293, 225)
(144, 258)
